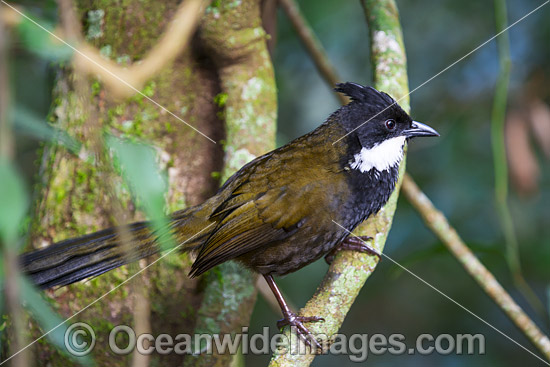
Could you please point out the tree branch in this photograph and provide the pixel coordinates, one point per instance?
(312, 44)
(436, 221)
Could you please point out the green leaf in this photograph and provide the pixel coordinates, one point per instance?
(49, 321)
(142, 174)
(26, 122)
(13, 202)
(39, 41)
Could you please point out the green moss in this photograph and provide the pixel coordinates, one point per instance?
(123, 16)
(149, 89)
(220, 99)
(132, 117)
(60, 194)
(96, 88)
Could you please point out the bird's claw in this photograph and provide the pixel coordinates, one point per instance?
(353, 243)
(302, 331)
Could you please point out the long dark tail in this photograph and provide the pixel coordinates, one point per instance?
(79, 258)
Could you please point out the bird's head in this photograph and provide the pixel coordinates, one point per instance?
(380, 124)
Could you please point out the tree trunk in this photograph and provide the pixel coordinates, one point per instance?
(78, 195)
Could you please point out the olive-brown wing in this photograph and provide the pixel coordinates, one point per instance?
(267, 206)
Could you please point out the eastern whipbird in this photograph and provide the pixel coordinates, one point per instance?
(277, 213)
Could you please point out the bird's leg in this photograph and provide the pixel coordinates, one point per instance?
(352, 243)
(290, 318)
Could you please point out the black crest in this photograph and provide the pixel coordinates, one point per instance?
(367, 113)
(364, 94)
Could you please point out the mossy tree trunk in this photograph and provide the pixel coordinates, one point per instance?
(235, 40)
(77, 195)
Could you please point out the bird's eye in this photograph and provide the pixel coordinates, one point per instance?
(390, 124)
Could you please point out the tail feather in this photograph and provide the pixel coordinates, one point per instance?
(88, 256)
(75, 259)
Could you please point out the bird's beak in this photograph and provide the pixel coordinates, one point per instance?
(419, 129)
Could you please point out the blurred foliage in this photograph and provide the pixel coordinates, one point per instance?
(52, 324)
(455, 170)
(137, 163)
(40, 42)
(13, 201)
(29, 124)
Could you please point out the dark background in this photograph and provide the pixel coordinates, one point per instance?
(455, 170)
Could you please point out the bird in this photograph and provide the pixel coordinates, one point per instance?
(275, 215)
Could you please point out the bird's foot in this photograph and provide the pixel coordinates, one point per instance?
(293, 320)
(353, 243)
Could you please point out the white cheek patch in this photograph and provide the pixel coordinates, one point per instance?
(382, 156)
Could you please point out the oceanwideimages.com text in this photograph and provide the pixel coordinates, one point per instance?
(80, 339)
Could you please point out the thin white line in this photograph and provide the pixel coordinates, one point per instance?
(449, 298)
(448, 67)
(107, 70)
(109, 292)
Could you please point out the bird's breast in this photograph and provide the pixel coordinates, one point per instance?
(370, 191)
